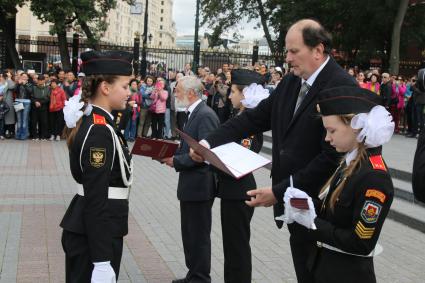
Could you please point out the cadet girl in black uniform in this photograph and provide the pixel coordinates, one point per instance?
(235, 214)
(97, 218)
(355, 202)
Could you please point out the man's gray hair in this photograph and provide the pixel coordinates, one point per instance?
(192, 83)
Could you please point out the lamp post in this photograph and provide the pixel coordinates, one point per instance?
(196, 45)
(144, 63)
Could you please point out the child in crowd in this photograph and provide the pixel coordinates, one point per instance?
(57, 103)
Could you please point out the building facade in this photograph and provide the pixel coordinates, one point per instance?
(123, 24)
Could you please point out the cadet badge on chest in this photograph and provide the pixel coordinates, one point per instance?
(370, 211)
(97, 157)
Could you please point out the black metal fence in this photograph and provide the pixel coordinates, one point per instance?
(39, 54)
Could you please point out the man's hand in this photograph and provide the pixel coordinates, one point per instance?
(261, 197)
(195, 156)
(37, 104)
(169, 161)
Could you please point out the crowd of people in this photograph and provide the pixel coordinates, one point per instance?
(31, 104)
(400, 96)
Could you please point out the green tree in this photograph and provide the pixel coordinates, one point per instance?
(8, 12)
(361, 29)
(89, 16)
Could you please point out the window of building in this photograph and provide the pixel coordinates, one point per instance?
(160, 27)
(162, 11)
(162, 19)
(162, 3)
(160, 35)
(160, 43)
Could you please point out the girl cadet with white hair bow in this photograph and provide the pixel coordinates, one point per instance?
(352, 206)
(246, 92)
(97, 218)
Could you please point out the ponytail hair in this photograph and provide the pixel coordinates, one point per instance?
(89, 89)
(349, 170)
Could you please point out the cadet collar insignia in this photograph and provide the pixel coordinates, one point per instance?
(99, 119)
(363, 232)
(370, 211)
(97, 157)
(376, 194)
(377, 162)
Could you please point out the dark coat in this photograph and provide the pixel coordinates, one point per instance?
(196, 180)
(299, 147)
(231, 188)
(356, 222)
(418, 174)
(94, 215)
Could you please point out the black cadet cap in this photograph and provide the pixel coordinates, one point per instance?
(347, 100)
(246, 77)
(107, 63)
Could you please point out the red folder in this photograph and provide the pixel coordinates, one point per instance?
(154, 148)
(300, 203)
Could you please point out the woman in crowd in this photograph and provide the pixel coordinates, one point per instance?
(159, 99)
(354, 204)
(397, 101)
(97, 218)
(373, 85)
(361, 79)
(145, 115)
(8, 81)
(134, 102)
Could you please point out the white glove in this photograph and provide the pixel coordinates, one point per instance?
(103, 273)
(301, 216)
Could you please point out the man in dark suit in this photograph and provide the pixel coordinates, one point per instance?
(299, 146)
(196, 184)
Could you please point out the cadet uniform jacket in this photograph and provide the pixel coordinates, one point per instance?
(356, 222)
(94, 214)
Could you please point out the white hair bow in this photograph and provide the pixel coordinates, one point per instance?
(72, 110)
(253, 95)
(377, 126)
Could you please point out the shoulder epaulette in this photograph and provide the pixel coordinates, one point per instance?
(99, 119)
(377, 162)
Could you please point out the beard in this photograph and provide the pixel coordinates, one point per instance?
(182, 103)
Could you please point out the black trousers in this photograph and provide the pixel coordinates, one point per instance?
(78, 265)
(39, 123)
(235, 224)
(196, 236)
(157, 125)
(57, 123)
(301, 250)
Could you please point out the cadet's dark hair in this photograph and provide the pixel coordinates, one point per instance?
(88, 90)
(313, 36)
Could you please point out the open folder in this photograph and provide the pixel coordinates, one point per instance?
(232, 158)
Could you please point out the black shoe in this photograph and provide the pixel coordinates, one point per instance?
(183, 280)
(411, 136)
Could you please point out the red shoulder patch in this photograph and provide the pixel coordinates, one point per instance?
(377, 162)
(99, 119)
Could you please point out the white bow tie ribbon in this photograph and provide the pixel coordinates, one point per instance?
(377, 126)
(254, 94)
(72, 110)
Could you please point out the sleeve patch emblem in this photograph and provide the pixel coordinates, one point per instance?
(377, 162)
(370, 211)
(364, 232)
(376, 194)
(246, 143)
(97, 157)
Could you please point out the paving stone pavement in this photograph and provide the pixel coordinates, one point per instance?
(36, 186)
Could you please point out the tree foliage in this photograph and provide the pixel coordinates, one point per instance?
(361, 29)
